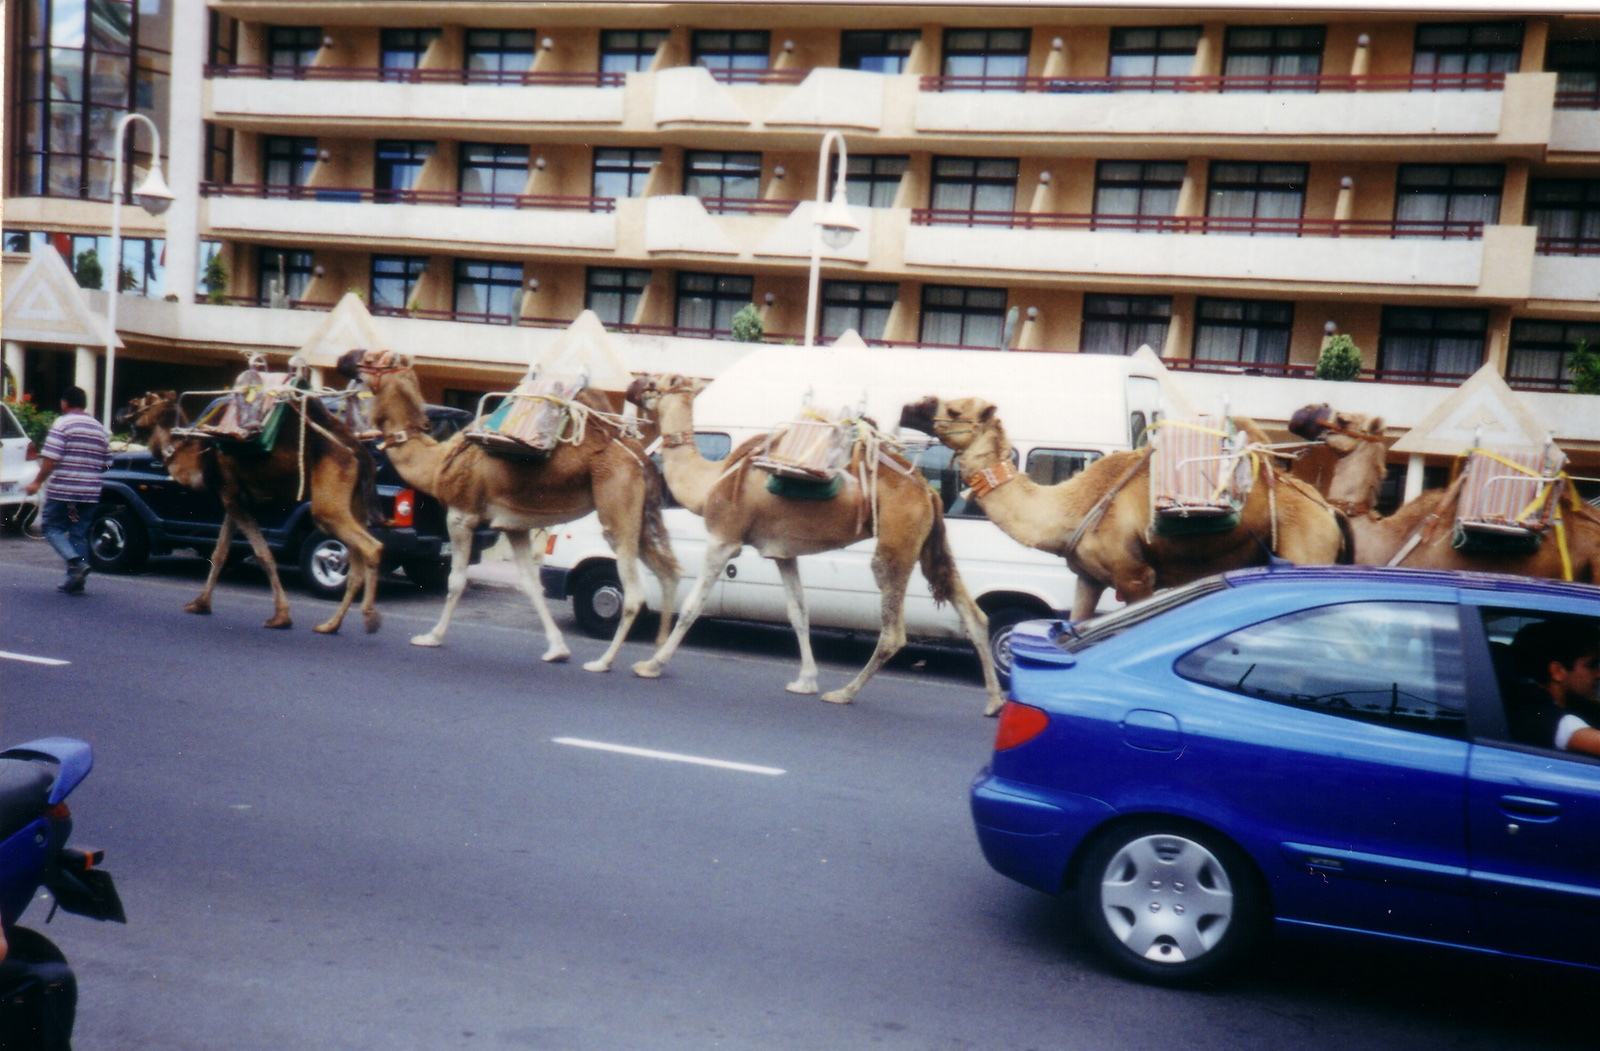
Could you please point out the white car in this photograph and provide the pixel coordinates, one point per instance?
(19, 460)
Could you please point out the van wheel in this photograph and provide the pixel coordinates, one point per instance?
(324, 565)
(1002, 622)
(597, 601)
(118, 542)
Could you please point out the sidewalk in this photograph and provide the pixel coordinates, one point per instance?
(495, 569)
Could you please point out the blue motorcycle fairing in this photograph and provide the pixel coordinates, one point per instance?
(74, 758)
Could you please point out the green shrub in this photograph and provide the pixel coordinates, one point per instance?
(1585, 369)
(1340, 359)
(216, 279)
(87, 269)
(747, 327)
(35, 421)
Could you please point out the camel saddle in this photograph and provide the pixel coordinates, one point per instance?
(816, 447)
(1199, 478)
(531, 421)
(247, 417)
(1507, 499)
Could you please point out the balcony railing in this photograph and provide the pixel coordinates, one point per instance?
(759, 76)
(261, 301)
(448, 198)
(1567, 246)
(1213, 85)
(1578, 98)
(1203, 224)
(421, 76)
(1286, 370)
(746, 206)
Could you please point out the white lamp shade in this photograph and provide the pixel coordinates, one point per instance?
(838, 225)
(152, 195)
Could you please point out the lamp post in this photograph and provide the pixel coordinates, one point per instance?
(832, 223)
(154, 197)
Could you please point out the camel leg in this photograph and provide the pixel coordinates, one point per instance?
(892, 578)
(614, 523)
(528, 560)
(219, 555)
(1086, 597)
(460, 526)
(665, 567)
(263, 553)
(977, 625)
(718, 555)
(794, 600)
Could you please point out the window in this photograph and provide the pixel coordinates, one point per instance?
(986, 53)
(1440, 199)
(294, 47)
(1541, 352)
(877, 51)
(630, 50)
(1468, 47)
(1053, 466)
(394, 279)
(974, 184)
(1154, 51)
(716, 174)
(494, 170)
(720, 50)
(707, 302)
(1509, 632)
(1423, 343)
(1567, 214)
(403, 50)
(938, 465)
(861, 305)
(489, 290)
(498, 55)
(282, 276)
(1576, 64)
(218, 153)
(1127, 191)
(963, 317)
(397, 168)
(1394, 664)
(614, 294)
(622, 173)
(289, 160)
(1253, 332)
(870, 181)
(1122, 324)
(1273, 51)
(1275, 193)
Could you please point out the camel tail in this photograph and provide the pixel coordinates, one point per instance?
(938, 564)
(654, 542)
(1347, 542)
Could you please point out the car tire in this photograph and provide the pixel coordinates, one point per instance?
(430, 574)
(118, 542)
(1170, 902)
(597, 601)
(26, 945)
(1002, 622)
(324, 565)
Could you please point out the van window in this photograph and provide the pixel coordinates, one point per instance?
(713, 445)
(1052, 466)
(935, 462)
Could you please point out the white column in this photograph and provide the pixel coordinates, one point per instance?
(1413, 478)
(83, 376)
(14, 362)
(185, 139)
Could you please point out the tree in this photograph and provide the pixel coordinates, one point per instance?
(1585, 364)
(1340, 359)
(747, 327)
(86, 268)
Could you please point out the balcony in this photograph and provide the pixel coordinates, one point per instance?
(1402, 256)
(1511, 110)
(368, 216)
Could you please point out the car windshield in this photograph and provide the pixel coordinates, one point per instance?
(1113, 624)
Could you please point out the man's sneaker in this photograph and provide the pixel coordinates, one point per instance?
(76, 575)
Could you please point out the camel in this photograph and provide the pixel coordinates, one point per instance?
(604, 471)
(1098, 520)
(1420, 533)
(895, 505)
(338, 472)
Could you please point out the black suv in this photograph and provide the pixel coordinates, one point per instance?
(143, 512)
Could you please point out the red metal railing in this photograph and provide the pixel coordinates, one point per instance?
(449, 198)
(1213, 85)
(1567, 246)
(421, 76)
(747, 206)
(1578, 98)
(1202, 224)
(759, 76)
(1286, 370)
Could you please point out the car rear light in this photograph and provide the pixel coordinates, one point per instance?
(58, 812)
(550, 545)
(33, 451)
(1019, 724)
(405, 506)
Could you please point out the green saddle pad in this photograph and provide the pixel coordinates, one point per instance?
(1194, 525)
(804, 489)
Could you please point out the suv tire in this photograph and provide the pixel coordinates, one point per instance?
(324, 565)
(118, 542)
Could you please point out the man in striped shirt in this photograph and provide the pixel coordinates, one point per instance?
(75, 456)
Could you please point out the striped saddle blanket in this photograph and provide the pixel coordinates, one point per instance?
(531, 420)
(815, 447)
(1509, 493)
(250, 413)
(1196, 471)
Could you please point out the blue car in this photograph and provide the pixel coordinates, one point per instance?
(1326, 749)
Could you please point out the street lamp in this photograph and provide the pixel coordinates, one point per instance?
(832, 224)
(153, 196)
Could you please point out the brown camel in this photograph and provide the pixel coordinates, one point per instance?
(895, 505)
(338, 473)
(1421, 532)
(604, 471)
(1098, 521)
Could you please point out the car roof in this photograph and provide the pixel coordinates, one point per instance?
(1384, 575)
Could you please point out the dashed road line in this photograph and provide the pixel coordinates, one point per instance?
(672, 757)
(30, 659)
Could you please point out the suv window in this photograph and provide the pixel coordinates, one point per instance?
(1390, 663)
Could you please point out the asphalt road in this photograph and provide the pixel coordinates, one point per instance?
(350, 842)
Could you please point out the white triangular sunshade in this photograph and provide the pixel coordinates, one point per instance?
(1482, 409)
(1175, 398)
(45, 305)
(349, 326)
(586, 347)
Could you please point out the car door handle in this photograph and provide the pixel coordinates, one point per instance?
(1530, 809)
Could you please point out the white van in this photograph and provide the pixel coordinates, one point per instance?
(1060, 411)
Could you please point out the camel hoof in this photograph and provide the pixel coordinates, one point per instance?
(556, 656)
(199, 607)
(992, 709)
(429, 640)
(372, 621)
(327, 627)
(802, 686)
(647, 670)
(837, 697)
(597, 666)
(276, 623)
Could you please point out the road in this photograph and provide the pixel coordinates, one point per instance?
(350, 842)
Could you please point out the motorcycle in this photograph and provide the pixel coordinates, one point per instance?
(38, 994)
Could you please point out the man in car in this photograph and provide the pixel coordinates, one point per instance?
(76, 454)
(1561, 658)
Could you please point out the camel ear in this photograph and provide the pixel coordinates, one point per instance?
(1375, 425)
(349, 364)
(986, 414)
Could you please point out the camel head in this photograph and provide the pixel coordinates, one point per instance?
(1343, 432)
(646, 390)
(144, 414)
(956, 423)
(398, 404)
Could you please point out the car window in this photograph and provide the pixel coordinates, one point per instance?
(1053, 466)
(9, 427)
(713, 445)
(1508, 632)
(937, 465)
(1391, 663)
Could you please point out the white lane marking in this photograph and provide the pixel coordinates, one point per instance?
(674, 757)
(30, 660)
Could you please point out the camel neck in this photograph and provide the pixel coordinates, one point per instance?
(689, 475)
